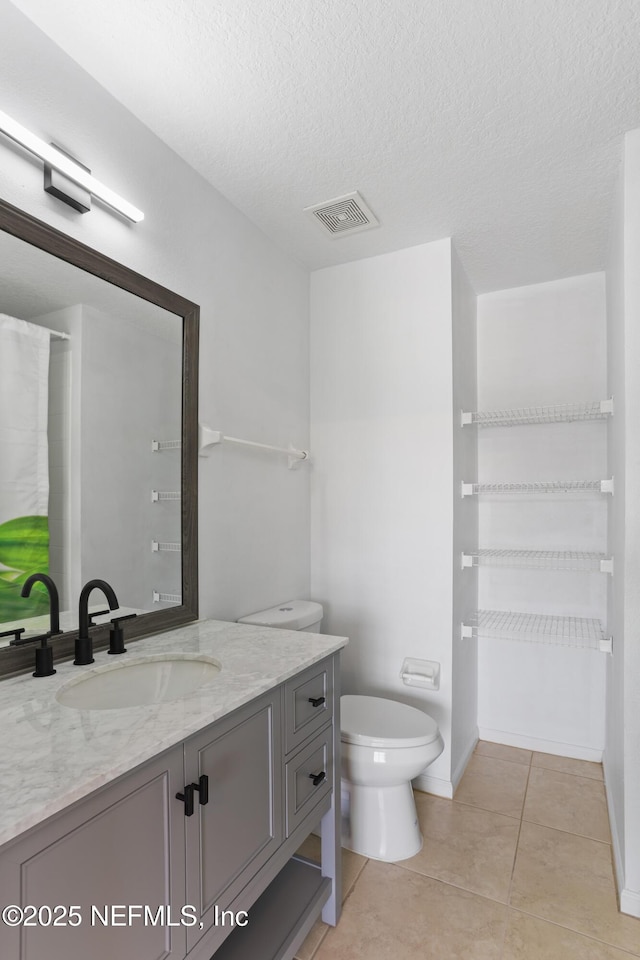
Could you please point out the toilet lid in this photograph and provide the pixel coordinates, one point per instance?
(377, 722)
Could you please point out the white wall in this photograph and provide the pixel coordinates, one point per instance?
(464, 712)
(254, 513)
(381, 438)
(632, 524)
(119, 419)
(543, 344)
(614, 748)
(622, 768)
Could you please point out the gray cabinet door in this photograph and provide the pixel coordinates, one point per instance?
(241, 826)
(115, 850)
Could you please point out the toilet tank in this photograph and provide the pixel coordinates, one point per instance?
(292, 615)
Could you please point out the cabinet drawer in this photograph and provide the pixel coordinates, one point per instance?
(309, 778)
(308, 703)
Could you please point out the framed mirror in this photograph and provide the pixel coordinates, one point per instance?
(109, 489)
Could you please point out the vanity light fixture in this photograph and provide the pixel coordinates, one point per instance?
(69, 168)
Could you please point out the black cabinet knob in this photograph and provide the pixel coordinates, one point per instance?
(317, 778)
(316, 701)
(187, 799)
(202, 786)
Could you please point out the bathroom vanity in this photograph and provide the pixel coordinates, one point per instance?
(144, 832)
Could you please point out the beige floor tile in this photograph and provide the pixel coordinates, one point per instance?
(313, 940)
(569, 880)
(567, 802)
(581, 768)
(496, 785)
(310, 848)
(501, 751)
(531, 939)
(466, 846)
(396, 914)
(352, 864)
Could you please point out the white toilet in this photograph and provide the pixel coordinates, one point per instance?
(385, 744)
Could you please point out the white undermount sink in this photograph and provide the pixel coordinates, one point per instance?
(134, 683)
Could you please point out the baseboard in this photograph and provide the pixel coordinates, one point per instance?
(458, 773)
(618, 862)
(440, 788)
(446, 788)
(575, 751)
(630, 902)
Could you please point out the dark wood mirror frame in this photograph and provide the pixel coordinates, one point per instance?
(25, 227)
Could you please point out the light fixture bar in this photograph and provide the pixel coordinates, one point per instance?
(67, 167)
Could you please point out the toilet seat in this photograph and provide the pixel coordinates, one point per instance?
(385, 724)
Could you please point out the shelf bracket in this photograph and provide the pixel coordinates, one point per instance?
(166, 597)
(606, 486)
(465, 418)
(606, 566)
(168, 547)
(157, 445)
(467, 560)
(606, 645)
(466, 631)
(606, 406)
(466, 490)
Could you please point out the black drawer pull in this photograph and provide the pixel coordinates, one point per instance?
(317, 778)
(316, 701)
(187, 799)
(202, 786)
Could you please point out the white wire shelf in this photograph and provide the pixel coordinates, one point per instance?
(574, 560)
(541, 413)
(168, 547)
(157, 445)
(578, 632)
(541, 486)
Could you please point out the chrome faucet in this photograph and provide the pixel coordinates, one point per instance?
(84, 643)
(54, 601)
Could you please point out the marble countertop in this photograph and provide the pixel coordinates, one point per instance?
(52, 755)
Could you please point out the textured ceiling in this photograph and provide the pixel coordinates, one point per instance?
(496, 122)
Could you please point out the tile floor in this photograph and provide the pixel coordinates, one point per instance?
(517, 867)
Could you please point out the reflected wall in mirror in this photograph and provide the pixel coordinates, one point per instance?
(98, 437)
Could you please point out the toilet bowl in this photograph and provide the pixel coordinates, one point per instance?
(385, 744)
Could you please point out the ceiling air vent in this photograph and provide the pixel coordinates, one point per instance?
(343, 215)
